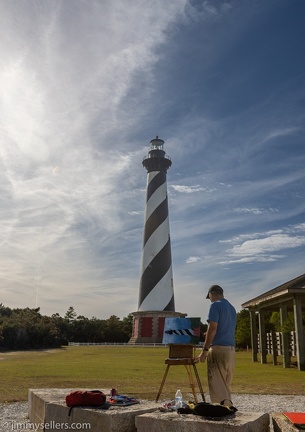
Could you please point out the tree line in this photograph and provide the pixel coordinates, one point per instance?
(28, 329)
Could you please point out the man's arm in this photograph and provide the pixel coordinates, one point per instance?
(210, 334)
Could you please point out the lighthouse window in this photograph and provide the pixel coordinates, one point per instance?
(157, 147)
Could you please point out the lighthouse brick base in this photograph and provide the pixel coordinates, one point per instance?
(148, 326)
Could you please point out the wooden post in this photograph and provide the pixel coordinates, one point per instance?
(253, 335)
(274, 348)
(262, 336)
(297, 309)
(285, 337)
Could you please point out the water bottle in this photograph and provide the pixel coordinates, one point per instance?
(178, 399)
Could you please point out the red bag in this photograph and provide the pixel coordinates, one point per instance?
(85, 398)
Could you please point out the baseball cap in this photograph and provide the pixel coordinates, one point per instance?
(216, 289)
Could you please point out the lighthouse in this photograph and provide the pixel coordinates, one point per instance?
(156, 285)
(156, 290)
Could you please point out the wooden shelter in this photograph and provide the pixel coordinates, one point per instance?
(287, 297)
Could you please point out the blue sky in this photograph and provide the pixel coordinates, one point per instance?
(85, 86)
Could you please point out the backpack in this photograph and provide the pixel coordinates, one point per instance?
(209, 410)
(85, 398)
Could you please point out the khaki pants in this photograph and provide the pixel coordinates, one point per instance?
(220, 365)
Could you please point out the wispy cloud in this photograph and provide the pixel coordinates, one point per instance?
(254, 210)
(188, 189)
(279, 133)
(262, 247)
(192, 259)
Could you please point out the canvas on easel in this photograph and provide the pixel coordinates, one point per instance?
(181, 331)
(182, 335)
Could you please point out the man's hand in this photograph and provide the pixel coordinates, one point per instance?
(202, 356)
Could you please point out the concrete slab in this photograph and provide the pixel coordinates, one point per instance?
(282, 424)
(168, 422)
(48, 410)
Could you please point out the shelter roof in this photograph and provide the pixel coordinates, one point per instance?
(278, 295)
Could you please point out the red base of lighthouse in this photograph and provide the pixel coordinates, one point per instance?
(148, 326)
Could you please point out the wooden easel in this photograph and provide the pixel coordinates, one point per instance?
(182, 354)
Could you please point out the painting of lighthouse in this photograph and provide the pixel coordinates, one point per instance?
(181, 331)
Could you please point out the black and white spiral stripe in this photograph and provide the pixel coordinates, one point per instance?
(156, 285)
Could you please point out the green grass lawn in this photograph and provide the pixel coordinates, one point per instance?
(136, 371)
